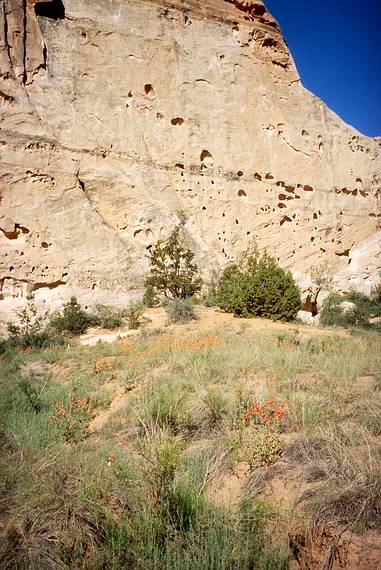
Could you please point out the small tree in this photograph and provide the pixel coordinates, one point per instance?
(173, 273)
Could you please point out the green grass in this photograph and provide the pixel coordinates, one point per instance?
(142, 492)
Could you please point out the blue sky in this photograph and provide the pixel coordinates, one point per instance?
(336, 45)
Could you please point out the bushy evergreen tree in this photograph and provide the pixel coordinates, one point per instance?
(73, 320)
(257, 286)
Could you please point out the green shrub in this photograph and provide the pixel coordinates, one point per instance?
(375, 293)
(258, 287)
(150, 299)
(210, 288)
(260, 446)
(30, 331)
(216, 405)
(72, 417)
(108, 317)
(173, 273)
(5, 347)
(73, 320)
(32, 339)
(365, 307)
(180, 311)
(134, 313)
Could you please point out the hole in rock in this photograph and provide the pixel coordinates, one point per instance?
(308, 188)
(241, 193)
(205, 154)
(149, 90)
(239, 173)
(51, 285)
(258, 9)
(269, 42)
(44, 245)
(284, 219)
(14, 234)
(55, 10)
(282, 206)
(177, 121)
(310, 305)
(257, 176)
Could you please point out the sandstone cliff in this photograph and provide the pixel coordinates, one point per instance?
(120, 118)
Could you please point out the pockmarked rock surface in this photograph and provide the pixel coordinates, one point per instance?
(121, 119)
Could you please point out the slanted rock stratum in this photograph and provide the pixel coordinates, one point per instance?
(122, 118)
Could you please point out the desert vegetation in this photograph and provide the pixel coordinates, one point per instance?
(210, 442)
(353, 309)
(215, 429)
(256, 286)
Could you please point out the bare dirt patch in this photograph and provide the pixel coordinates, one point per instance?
(118, 402)
(209, 318)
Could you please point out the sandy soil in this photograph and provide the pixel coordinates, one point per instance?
(209, 318)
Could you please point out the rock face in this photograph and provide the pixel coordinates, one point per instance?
(121, 119)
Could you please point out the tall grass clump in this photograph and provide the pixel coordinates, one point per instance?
(345, 470)
(180, 311)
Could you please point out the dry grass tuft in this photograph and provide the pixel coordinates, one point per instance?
(346, 481)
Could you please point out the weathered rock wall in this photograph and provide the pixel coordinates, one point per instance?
(120, 118)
